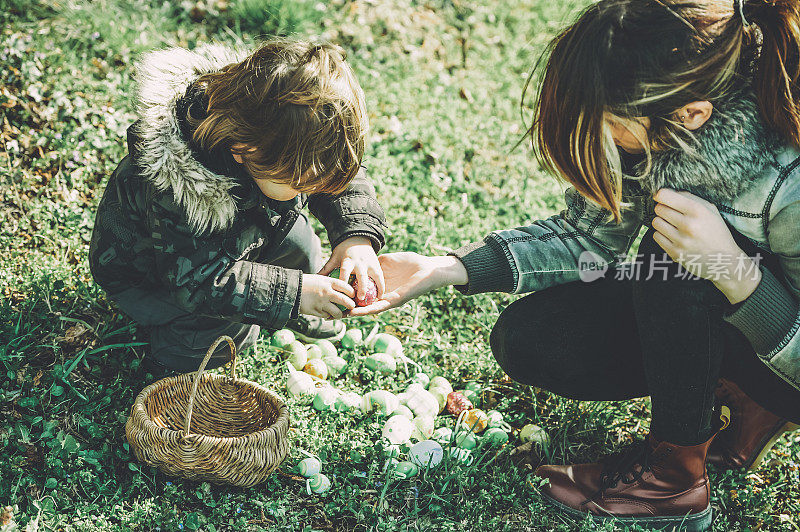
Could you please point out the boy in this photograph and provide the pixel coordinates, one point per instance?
(200, 231)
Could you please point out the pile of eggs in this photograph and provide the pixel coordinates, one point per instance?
(410, 414)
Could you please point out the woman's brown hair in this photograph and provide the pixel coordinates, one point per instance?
(629, 59)
(297, 108)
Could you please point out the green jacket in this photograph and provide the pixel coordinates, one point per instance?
(191, 226)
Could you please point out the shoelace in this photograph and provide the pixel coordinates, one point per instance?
(620, 467)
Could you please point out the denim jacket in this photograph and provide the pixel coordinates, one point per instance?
(739, 165)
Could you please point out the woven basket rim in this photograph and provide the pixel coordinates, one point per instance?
(149, 425)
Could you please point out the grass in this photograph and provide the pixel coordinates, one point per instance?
(443, 80)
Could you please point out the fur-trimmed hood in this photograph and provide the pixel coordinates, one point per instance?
(732, 149)
(165, 159)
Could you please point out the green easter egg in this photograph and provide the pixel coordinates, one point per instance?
(381, 362)
(405, 470)
(473, 396)
(336, 365)
(328, 349)
(473, 386)
(386, 343)
(495, 436)
(535, 434)
(466, 440)
(298, 356)
(314, 351)
(318, 484)
(282, 338)
(352, 338)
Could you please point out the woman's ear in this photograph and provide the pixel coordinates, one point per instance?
(693, 115)
(236, 151)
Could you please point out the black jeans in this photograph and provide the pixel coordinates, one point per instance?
(615, 339)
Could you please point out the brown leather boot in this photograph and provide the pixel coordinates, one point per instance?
(654, 484)
(751, 434)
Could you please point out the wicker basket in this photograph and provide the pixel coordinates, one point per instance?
(238, 431)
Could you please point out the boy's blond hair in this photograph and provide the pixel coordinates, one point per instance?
(298, 108)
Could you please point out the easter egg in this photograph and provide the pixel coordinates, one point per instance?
(370, 292)
(380, 400)
(443, 435)
(308, 467)
(534, 434)
(464, 456)
(386, 343)
(336, 365)
(325, 398)
(473, 387)
(457, 403)
(440, 396)
(347, 401)
(495, 418)
(422, 379)
(328, 349)
(318, 484)
(420, 401)
(317, 368)
(282, 338)
(314, 351)
(352, 338)
(397, 429)
(405, 470)
(466, 439)
(298, 356)
(441, 383)
(423, 427)
(381, 362)
(403, 410)
(427, 453)
(301, 384)
(475, 420)
(474, 398)
(495, 436)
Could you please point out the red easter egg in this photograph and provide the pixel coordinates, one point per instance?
(457, 403)
(369, 297)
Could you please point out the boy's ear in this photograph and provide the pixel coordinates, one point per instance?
(693, 115)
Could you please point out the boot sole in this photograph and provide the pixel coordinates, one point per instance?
(699, 522)
(755, 462)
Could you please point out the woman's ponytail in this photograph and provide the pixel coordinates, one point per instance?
(777, 75)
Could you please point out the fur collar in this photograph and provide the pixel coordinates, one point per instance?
(733, 148)
(164, 158)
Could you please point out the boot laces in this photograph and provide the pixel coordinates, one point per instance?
(621, 467)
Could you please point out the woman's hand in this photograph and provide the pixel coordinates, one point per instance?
(320, 296)
(693, 233)
(356, 255)
(409, 275)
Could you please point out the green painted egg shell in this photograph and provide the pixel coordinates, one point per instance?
(282, 338)
(466, 439)
(347, 401)
(381, 362)
(314, 351)
(328, 349)
(403, 410)
(308, 467)
(298, 356)
(535, 434)
(397, 429)
(422, 379)
(380, 400)
(423, 427)
(427, 453)
(443, 435)
(317, 368)
(474, 397)
(336, 365)
(441, 382)
(405, 470)
(495, 418)
(325, 398)
(473, 386)
(352, 338)
(495, 436)
(386, 343)
(440, 395)
(318, 484)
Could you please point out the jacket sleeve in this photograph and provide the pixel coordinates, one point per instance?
(770, 316)
(354, 212)
(208, 275)
(547, 252)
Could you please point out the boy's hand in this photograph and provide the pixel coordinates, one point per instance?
(356, 256)
(320, 296)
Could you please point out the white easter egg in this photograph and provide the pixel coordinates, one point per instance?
(381, 362)
(381, 400)
(443, 435)
(441, 382)
(301, 384)
(314, 351)
(347, 401)
(422, 379)
(398, 429)
(403, 410)
(423, 427)
(325, 398)
(427, 453)
(336, 365)
(421, 401)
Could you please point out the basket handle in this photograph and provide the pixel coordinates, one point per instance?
(200, 370)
